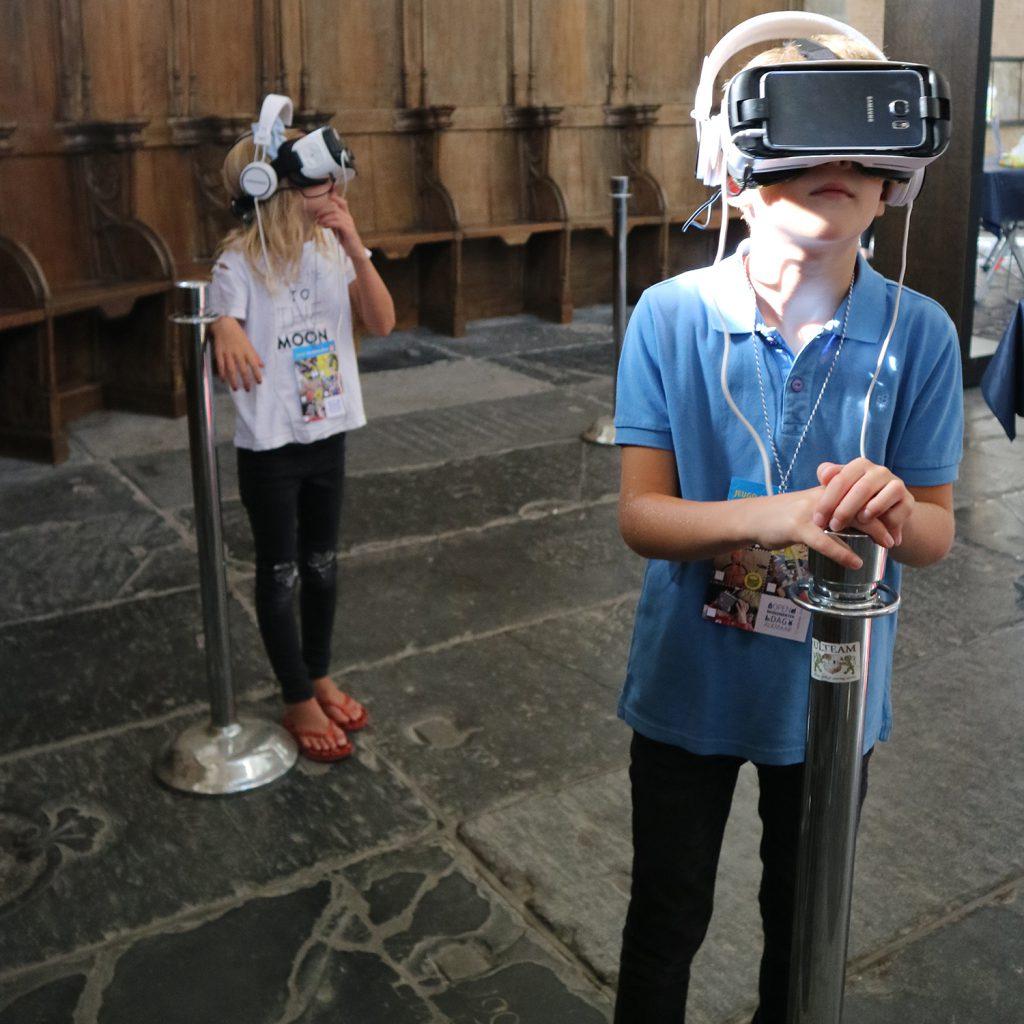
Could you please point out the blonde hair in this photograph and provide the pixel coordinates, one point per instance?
(286, 228)
(843, 47)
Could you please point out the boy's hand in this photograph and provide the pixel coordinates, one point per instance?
(866, 496)
(234, 356)
(338, 219)
(784, 519)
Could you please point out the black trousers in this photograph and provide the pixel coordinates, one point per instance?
(680, 805)
(293, 498)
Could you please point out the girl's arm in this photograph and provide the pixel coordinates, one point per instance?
(656, 523)
(233, 354)
(369, 295)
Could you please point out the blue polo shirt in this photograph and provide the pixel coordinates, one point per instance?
(720, 690)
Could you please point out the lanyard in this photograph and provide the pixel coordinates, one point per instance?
(784, 476)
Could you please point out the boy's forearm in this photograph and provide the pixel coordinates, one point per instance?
(678, 530)
(927, 535)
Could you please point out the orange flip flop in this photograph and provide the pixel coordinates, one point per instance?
(323, 756)
(355, 724)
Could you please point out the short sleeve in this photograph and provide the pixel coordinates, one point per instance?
(229, 289)
(641, 412)
(931, 445)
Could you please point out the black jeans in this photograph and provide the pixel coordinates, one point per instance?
(293, 497)
(680, 805)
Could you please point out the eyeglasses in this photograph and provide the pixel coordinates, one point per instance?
(318, 190)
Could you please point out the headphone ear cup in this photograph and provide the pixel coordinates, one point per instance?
(258, 180)
(900, 193)
(709, 151)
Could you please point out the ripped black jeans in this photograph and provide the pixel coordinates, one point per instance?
(293, 497)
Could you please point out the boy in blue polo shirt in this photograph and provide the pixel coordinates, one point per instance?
(806, 316)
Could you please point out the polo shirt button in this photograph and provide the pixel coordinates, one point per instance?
(797, 384)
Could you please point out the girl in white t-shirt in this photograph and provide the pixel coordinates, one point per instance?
(283, 343)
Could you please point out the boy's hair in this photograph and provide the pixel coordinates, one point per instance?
(842, 46)
(285, 227)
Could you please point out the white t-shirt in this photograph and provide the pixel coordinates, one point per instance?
(313, 306)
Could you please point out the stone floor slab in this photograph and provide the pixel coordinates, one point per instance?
(65, 494)
(443, 384)
(969, 971)
(52, 1002)
(105, 668)
(475, 428)
(406, 599)
(509, 335)
(165, 477)
(938, 829)
(485, 722)
(567, 365)
(62, 566)
(971, 593)
(88, 827)
(382, 508)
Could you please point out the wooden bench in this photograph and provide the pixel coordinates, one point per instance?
(84, 322)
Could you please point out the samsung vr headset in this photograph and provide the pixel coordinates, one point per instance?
(314, 159)
(890, 117)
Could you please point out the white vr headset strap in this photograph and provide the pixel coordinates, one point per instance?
(762, 29)
(274, 106)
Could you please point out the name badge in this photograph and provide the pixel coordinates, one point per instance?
(748, 586)
(318, 378)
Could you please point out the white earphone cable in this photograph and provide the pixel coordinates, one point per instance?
(888, 336)
(724, 376)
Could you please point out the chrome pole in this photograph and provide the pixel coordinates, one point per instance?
(602, 430)
(228, 754)
(843, 602)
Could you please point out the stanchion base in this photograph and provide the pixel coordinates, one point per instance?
(601, 431)
(215, 761)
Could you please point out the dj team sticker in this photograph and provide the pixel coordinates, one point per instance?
(835, 663)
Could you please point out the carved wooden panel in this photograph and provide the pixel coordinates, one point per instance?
(475, 34)
(570, 51)
(354, 53)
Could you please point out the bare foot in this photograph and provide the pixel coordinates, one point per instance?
(308, 719)
(338, 705)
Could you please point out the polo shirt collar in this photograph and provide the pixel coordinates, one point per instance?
(727, 284)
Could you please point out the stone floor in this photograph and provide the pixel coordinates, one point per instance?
(471, 863)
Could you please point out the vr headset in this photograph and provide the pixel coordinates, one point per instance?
(314, 159)
(889, 117)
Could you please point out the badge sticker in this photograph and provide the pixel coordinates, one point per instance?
(835, 663)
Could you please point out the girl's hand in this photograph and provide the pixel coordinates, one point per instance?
(866, 496)
(784, 519)
(233, 354)
(337, 218)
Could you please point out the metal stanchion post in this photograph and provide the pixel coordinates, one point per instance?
(843, 602)
(229, 754)
(602, 430)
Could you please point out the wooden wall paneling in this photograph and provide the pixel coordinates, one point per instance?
(28, 416)
(354, 53)
(41, 210)
(439, 287)
(466, 52)
(108, 85)
(672, 158)
(29, 81)
(547, 290)
(591, 267)
(492, 280)
(666, 49)
(225, 58)
(167, 179)
(569, 50)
